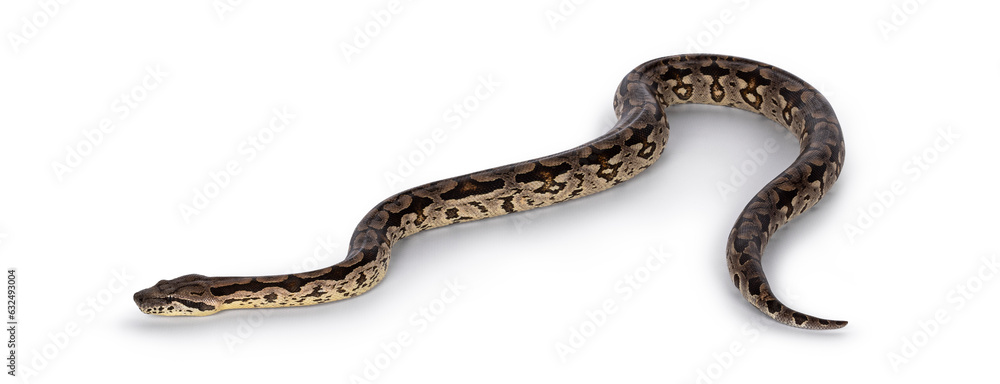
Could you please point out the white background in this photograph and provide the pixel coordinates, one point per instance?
(907, 79)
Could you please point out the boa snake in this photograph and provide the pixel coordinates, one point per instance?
(632, 145)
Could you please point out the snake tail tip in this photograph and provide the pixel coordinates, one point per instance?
(801, 320)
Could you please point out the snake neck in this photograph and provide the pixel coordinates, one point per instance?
(351, 277)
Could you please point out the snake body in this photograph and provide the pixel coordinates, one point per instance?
(632, 145)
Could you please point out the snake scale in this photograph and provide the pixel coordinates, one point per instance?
(632, 145)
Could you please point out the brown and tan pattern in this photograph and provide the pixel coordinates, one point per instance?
(631, 146)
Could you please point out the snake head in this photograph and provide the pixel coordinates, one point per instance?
(188, 295)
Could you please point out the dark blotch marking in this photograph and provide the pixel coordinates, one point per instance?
(714, 70)
(792, 100)
(817, 172)
(683, 90)
(799, 318)
(291, 284)
(745, 257)
(753, 80)
(765, 221)
(508, 204)
(482, 208)
(546, 175)
(785, 200)
(753, 285)
(607, 170)
(468, 186)
(718, 92)
(417, 206)
(316, 292)
(773, 306)
(641, 136)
